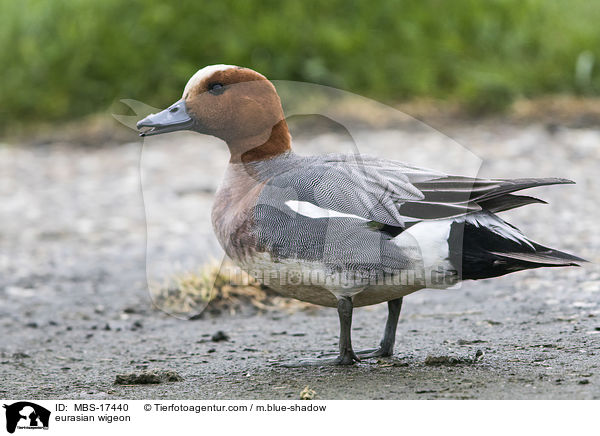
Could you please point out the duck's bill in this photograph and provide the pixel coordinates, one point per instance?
(173, 118)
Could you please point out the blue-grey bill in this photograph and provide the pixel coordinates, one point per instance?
(172, 119)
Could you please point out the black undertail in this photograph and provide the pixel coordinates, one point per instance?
(477, 252)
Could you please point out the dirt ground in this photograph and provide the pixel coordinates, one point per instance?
(80, 231)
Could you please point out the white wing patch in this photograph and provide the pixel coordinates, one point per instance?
(202, 74)
(313, 211)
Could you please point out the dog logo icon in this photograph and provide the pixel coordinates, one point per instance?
(26, 415)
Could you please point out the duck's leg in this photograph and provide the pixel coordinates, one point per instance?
(347, 355)
(386, 346)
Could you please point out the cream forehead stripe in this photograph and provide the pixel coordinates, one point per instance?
(203, 74)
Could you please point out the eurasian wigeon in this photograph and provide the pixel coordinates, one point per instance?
(344, 230)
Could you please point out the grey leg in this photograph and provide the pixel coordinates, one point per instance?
(386, 346)
(347, 355)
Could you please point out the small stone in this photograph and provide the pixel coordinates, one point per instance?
(449, 360)
(307, 393)
(492, 322)
(469, 342)
(389, 362)
(148, 377)
(20, 355)
(220, 336)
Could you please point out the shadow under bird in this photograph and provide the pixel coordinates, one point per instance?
(343, 230)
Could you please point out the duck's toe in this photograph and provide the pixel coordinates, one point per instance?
(347, 358)
(371, 353)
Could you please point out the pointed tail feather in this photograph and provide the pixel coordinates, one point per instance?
(508, 202)
(485, 246)
(544, 256)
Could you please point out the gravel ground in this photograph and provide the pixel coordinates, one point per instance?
(75, 309)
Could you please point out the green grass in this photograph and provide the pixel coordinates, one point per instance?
(63, 59)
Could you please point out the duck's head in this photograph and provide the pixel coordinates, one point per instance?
(233, 103)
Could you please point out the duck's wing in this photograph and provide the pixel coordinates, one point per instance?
(494, 195)
(394, 194)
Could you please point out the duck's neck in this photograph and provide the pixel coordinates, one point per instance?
(256, 148)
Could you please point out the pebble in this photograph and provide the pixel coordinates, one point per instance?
(220, 336)
(148, 377)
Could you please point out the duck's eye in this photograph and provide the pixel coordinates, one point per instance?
(216, 88)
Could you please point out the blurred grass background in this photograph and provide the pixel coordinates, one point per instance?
(63, 59)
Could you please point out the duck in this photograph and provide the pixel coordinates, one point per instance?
(345, 230)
